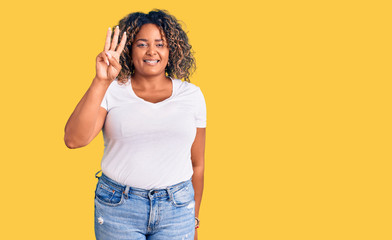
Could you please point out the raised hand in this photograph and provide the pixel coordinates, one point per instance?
(108, 61)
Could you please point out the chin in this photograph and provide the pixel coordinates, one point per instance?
(153, 71)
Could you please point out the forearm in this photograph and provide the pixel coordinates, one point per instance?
(81, 123)
(198, 185)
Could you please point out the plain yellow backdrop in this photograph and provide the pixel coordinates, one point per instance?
(298, 116)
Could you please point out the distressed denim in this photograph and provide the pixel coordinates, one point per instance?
(124, 212)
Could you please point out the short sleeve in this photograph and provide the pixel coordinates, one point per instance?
(201, 111)
(104, 102)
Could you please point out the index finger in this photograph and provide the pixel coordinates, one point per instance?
(108, 38)
(121, 46)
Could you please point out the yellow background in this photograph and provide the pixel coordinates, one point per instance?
(298, 116)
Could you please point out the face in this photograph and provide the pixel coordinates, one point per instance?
(150, 53)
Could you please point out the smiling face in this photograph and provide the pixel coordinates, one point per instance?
(150, 53)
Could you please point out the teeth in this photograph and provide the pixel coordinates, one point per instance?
(155, 61)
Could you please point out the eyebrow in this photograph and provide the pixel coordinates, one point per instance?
(145, 40)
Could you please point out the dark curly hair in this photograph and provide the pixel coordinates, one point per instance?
(181, 61)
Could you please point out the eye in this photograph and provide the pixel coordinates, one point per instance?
(160, 45)
(141, 45)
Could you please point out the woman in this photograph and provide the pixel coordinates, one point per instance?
(154, 131)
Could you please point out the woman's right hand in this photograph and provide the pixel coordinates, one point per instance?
(107, 62)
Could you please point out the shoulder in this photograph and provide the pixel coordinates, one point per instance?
(184, 87)
(116, 85)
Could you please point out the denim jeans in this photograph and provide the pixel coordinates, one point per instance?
(124, 212)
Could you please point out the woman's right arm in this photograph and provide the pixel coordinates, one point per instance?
(87, 119)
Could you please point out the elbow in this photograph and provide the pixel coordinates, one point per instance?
(69, 144)
(73, 141)
(73, 144)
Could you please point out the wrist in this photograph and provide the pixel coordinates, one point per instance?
(100, 81)
(197, 222)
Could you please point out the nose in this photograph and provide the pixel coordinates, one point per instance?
(151, 51)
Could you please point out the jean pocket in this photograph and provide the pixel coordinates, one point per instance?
(183, 196)
(108, 195)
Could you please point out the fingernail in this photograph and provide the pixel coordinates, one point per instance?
(107, 62)
(117, 26)
(109, 28)
(108, 54)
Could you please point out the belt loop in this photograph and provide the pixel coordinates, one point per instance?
(126, 192)
(97, 174)
(169, 193)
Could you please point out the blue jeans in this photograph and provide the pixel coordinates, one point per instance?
(124, 212)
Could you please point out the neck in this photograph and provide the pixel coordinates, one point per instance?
(149, 82)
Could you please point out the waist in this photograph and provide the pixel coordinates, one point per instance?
(144, 192)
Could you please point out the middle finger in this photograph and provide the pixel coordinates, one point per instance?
(115, 39)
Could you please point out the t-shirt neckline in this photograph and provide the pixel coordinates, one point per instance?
(151, 103)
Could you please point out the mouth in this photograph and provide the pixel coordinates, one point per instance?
(151, 61)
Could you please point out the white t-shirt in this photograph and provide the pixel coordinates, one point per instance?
(148, 145)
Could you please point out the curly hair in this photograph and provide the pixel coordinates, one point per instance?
(181, 62)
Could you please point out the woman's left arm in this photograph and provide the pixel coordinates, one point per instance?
(197, 156)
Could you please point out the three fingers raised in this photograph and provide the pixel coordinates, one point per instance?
(111, 45)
